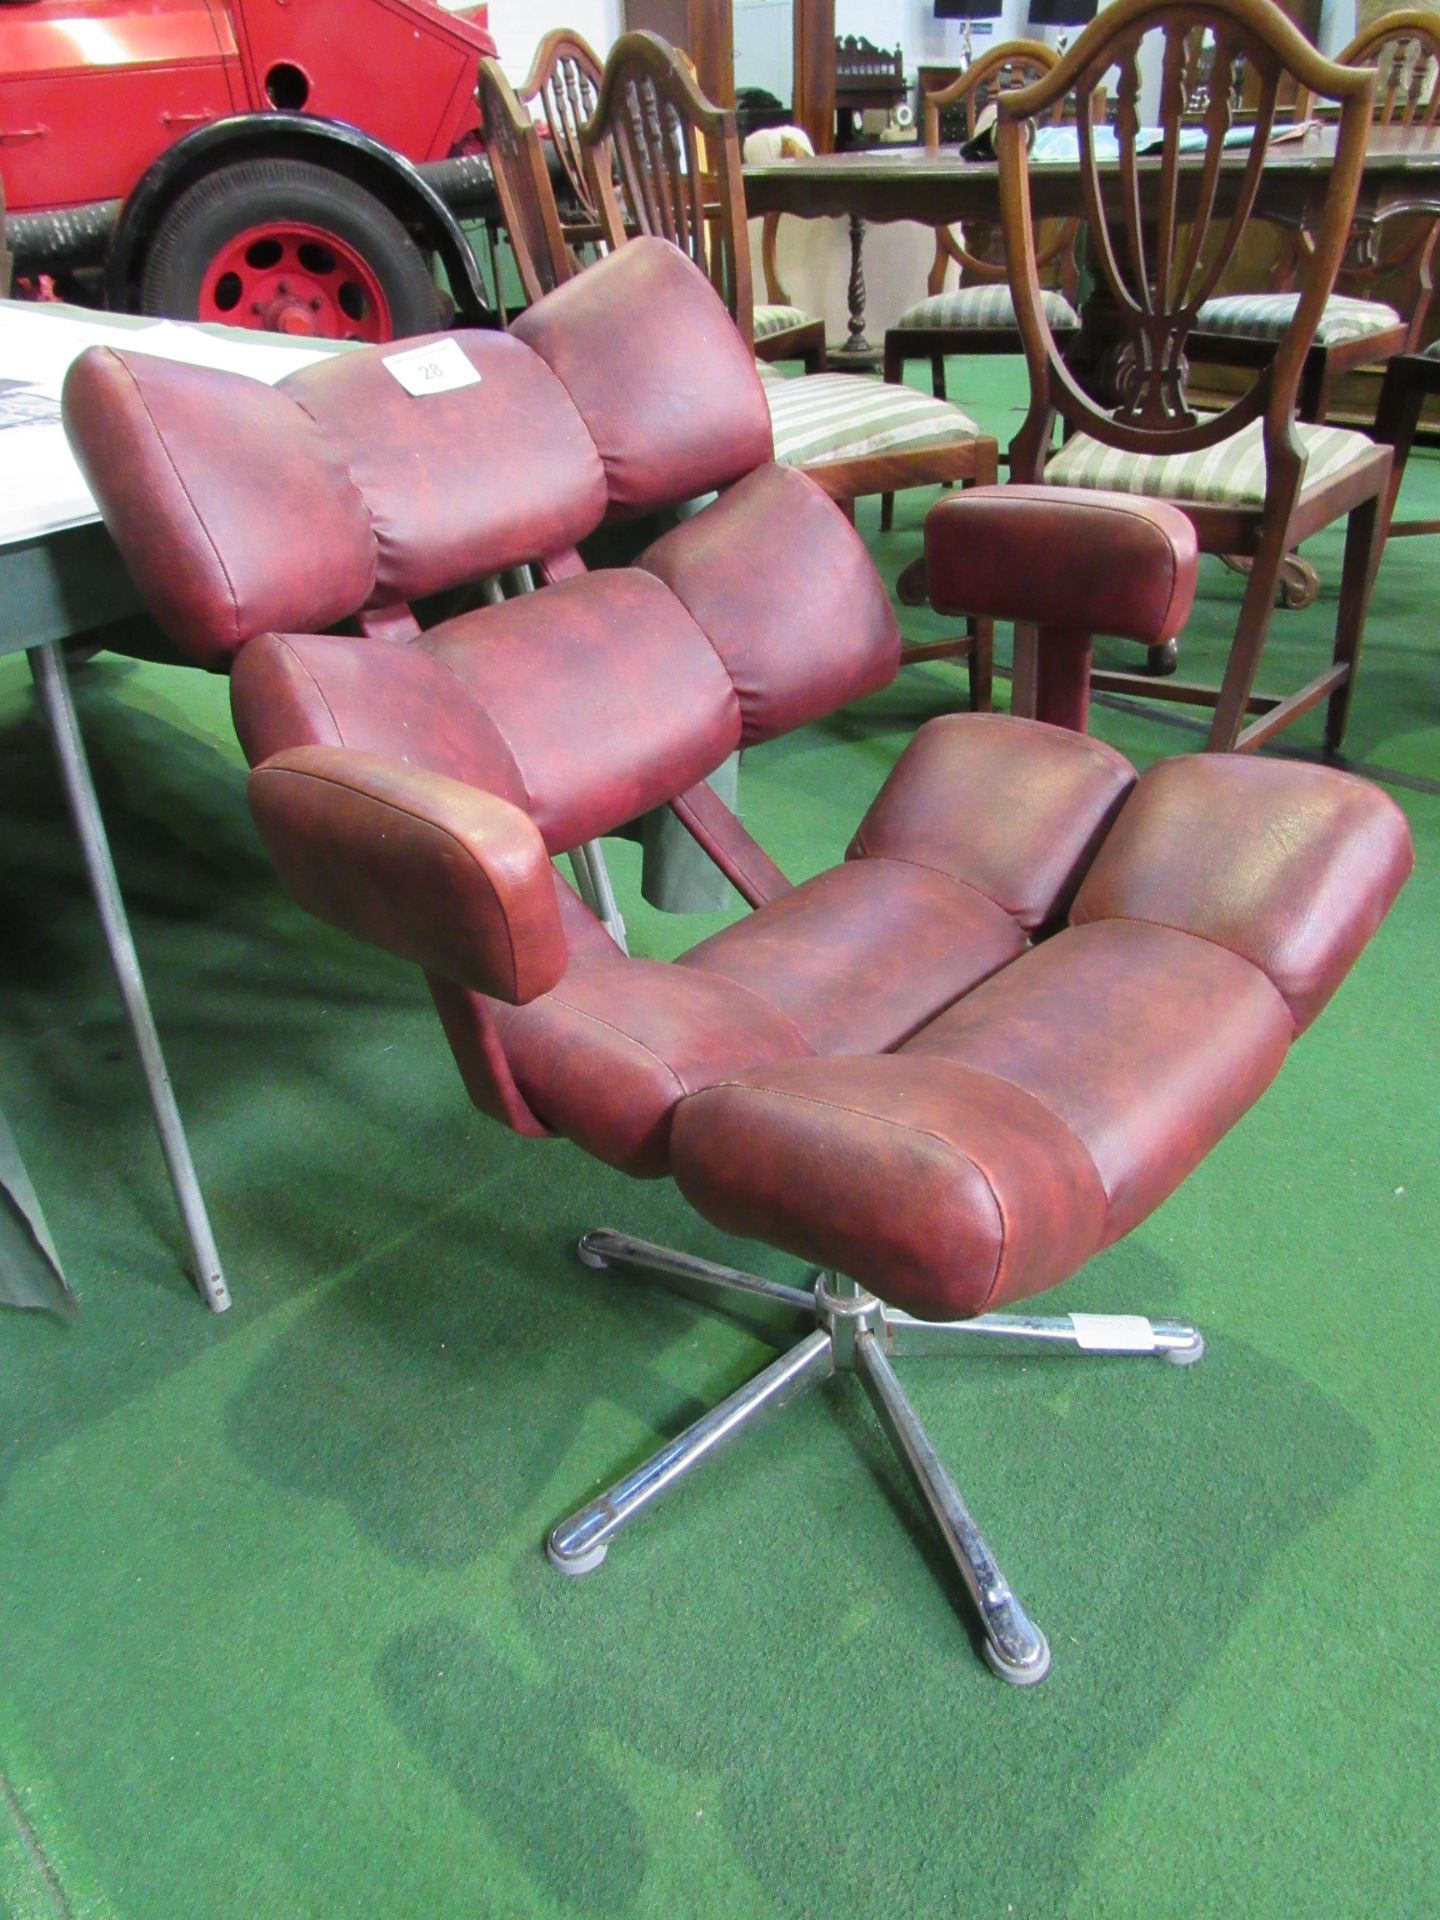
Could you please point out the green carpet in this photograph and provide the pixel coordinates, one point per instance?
(278, 1635)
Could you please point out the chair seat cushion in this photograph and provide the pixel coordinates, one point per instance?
(770, 320)
(1265, 316)
(845, 416)
(1147, 1043)
(824, 954)
(604, 1058)
(984, 307)
(1231, 474)
(1037, 1120)
(943, 1190)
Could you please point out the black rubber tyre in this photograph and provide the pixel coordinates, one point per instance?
(210, 216)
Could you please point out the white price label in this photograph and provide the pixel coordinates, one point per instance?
(439, 367)
(1113, 1333)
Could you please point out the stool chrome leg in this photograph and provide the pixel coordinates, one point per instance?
(592, 877)
(1106, 1333)
(1013, 1647)
(580, 1543)
(603, 1247)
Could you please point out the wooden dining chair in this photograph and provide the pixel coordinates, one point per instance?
(561, 88)
(1162, 232)
(528, 209)
(674, 157)
(1356, 329)
(978, 316)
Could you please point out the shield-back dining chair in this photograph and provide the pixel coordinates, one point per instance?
(1253, 480)
(1392, 254)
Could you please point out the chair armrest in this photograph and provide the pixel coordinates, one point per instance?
(1077, 561)
(447, 875)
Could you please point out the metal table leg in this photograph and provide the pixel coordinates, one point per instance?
(48, 667)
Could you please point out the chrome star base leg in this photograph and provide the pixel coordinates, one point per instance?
(853, 1332)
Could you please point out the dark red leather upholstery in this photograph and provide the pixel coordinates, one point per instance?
(1093, 563)
(1014, 809)
(899, 1067)
(340, 490)
(439, 871)
(272, 535)
(943, 1190)
(628, 342)
(1293, 867)
(805, 626)
(515, 443)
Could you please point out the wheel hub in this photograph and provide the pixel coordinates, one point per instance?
(288, 277)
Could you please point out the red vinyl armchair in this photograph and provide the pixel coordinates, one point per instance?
(944, 1071)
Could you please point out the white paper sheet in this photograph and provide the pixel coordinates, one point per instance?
(41, 488)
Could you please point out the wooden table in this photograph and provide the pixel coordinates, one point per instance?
(1402, 175)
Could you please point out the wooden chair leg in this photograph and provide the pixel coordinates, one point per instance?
(937, 376)
(1313, 395)
(1364, 541)
(1396, 420)
(1256, 610)
(894, 375)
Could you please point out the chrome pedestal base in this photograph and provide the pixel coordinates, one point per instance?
(853, 1332)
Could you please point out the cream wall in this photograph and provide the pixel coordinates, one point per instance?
(520, 25)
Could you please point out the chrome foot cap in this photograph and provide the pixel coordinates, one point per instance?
(1187, 1356)
(574, 1564)
(1027, 1673)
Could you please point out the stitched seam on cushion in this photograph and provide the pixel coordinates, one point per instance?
(281, 641)
(500, 733)
(712, 973)
(355, 485)
(985, 1073)
(966, 886)
(407, 813)
(684, 607)
(609, 1026)
(188, 499)
(833, 1106)
(1141, 920)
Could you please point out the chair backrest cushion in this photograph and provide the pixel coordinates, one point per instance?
(667, 387)
(241, 508)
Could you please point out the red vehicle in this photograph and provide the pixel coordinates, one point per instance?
(288, 164)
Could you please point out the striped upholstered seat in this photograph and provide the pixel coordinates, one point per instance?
(983, 307)
(777, 319)
(1265, 316)
(1231, 474)
(845, 416)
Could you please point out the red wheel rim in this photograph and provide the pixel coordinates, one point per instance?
(286, 277)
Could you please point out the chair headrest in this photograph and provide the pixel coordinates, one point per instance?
(241, 508)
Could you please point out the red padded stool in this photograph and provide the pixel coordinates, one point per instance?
(938, 1069)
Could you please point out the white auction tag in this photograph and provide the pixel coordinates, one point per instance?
(439, 367)
(1113, 1333)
